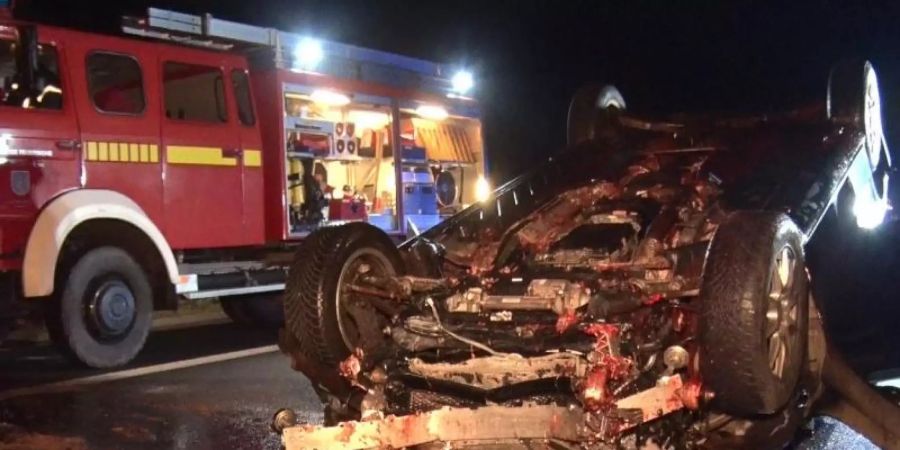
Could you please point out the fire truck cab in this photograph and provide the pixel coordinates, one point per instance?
(191, 158)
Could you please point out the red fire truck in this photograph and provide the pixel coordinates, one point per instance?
(191, 157)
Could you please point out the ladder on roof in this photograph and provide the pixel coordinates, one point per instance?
(340, 60)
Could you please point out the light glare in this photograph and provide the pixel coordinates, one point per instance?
(433, 112)
(482, 189)
(329, 98)
(463, 81)
(869, 215)
(308, 54)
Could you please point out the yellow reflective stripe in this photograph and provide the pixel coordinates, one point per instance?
(91, 151)
(205, 156)
(121, 152)
(113, 151)
(252, 158)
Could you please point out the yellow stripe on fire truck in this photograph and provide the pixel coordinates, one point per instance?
(209, 156)
(121, 152)
(175, 154)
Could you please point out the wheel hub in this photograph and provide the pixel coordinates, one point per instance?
(112, 308)
(363, 262)
(782, 313)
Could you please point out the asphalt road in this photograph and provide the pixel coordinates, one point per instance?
(164, 400)
(219, 405)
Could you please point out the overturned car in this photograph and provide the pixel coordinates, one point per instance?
(646, 285)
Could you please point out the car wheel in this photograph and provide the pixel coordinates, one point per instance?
(327, 320)
(754, 313)
(101, 313)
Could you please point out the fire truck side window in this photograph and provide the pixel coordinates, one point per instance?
(242, 95)
(48, 88)
(115, 83)
(194, 92)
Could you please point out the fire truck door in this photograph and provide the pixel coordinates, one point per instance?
(39, 143)
(117, 93)
(203, 187)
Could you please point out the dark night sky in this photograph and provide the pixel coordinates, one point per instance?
(530, 56)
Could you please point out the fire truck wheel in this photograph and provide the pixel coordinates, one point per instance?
(754, 313)
(102, 311)
(327, 320)
(263, 310)
(234, 308)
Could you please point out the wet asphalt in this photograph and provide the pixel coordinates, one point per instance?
(225, 405)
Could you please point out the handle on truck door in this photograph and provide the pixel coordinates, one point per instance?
(68, 144)
(232, 152)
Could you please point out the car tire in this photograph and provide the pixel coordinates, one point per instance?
(312, 302)
(101, 313)
(754, 313)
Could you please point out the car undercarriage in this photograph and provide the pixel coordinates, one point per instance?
(645, 287)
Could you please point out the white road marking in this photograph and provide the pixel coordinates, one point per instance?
(66, 385)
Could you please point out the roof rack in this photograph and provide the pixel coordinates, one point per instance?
(339, 60)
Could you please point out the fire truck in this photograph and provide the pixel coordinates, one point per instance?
(188, 158)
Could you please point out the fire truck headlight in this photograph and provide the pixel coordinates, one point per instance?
(308, 54)
(462, 81)
(482, 189)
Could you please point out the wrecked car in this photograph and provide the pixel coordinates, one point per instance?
(645, 285)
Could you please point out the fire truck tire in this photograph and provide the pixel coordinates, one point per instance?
(754, 313)
(313, 301)
(259, 310)
(102, 311)
(267, 310)
(235, 309)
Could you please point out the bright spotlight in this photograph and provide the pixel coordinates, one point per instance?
(462, 81)
(433, 112)
(482, 189)
(308, 54)
(869, 214)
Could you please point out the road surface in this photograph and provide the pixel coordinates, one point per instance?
(207, 387)
(215, 405)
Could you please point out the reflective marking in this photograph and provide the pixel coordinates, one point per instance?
(145, 152)
(92, 151)
(121, 152)
(104, 152)
(68, 385)
(203, 156)
(252, 158)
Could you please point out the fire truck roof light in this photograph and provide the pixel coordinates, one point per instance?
(462, 81)
(308, 54)
(329, 98)
(433, 112)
